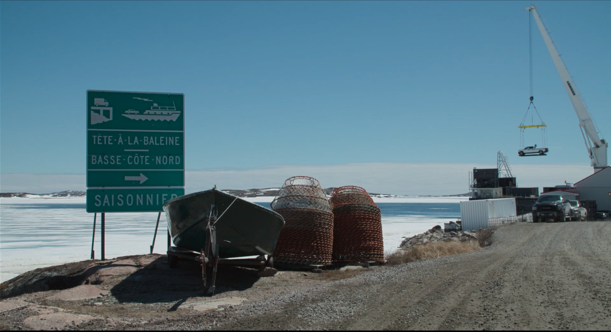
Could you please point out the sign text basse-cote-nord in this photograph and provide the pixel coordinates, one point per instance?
(135, 150)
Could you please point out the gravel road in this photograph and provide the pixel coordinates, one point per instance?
(534, 276)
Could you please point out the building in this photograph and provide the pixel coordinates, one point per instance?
(593, 191)
(595, 187)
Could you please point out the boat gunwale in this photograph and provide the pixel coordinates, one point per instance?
(179, 198)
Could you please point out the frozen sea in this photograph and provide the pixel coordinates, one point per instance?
(41, 231)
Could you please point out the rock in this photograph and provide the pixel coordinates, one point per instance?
(12, 305)
(350, 267)
(213, 305)
(79, 293)
(55, 321)
(435, 234)
(267, 272)
(471, 236)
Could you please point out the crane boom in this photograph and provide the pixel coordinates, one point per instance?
(597, 147)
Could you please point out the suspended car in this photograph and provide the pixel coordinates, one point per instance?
(532, 150)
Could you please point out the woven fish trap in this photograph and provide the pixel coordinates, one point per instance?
(301, 192)
(302, 180)
(357, 227)
(350, 195)
(307, 237)
(301, 201)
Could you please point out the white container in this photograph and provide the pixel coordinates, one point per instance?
(477, 213)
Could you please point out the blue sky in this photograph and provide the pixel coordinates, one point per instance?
(338, 89)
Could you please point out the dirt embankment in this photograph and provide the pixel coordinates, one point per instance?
(533, 276)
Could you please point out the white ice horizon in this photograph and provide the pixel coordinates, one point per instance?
(402, 179)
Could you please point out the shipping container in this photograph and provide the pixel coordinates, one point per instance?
(521, 192)
(524, 204)
(507, 182)
(486, 183)
(591, 207)
(475, 214)
(485, 173)
(485, 193)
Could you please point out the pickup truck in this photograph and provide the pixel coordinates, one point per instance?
(555, 207)
(531, 150)
(578, 211)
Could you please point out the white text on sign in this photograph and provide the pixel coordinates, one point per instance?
(135, 160)
(132, 199)
(135, 140)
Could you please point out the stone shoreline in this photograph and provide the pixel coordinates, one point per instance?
(436, 234)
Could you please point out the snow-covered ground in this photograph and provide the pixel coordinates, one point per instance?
(43, 231)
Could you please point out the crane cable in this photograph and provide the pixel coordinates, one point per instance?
(542, 125)
(530, 60)
(531, 81)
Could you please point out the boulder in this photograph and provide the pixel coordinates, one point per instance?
(436, 234)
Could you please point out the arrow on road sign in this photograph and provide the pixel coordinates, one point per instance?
(140, 178)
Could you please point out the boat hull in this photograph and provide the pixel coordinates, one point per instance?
(242, 228)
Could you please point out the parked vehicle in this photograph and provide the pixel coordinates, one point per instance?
(532, 150)
(555, 207)
(602, 215)
(578, 211)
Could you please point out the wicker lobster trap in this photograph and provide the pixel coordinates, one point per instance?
(307, 237)
(357, 227)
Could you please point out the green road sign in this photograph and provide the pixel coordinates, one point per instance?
(135, 140)
(130, 200)
(138, 178)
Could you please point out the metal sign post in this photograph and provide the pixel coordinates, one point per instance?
(155, 234)
(93, 238)
(135, 152)
(102, 240)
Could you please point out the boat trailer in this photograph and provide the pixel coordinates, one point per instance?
(209, 259)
